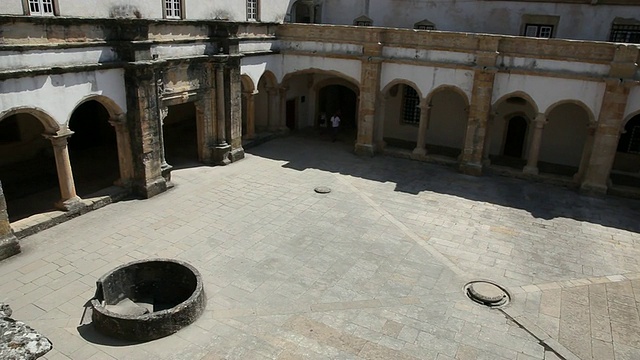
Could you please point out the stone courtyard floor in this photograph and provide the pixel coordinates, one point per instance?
(373, 270)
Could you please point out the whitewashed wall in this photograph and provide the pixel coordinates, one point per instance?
(58, 95)
(633, 103)
(427, 78)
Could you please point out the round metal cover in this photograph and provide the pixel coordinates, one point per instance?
(487, 293)
(322, 190)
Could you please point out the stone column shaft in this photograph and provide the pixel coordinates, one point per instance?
(534, 146)
(369, 90)
(220, 107)
(251, 114)
(69, 200)
(425, 114)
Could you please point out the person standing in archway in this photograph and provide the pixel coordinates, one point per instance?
(335, 125)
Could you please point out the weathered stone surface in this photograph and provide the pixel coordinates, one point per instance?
(18, 341)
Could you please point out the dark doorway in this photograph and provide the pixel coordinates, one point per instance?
(333, 98)
(27, 167)
(93, 149)
(516, 133)
(291, 114)
(181, 136)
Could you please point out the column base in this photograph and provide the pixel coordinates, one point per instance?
(593, 189)
(237, 154)
(221, 154)
(364, 150)
(471, 169)
(531, 170)
(165, 170)
(9, 246)
(151, 188)
(419, 152)
(69, 205)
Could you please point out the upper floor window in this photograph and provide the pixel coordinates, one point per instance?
(538, 30)
(626, 31)
(540, 26)
(252, 10)
(410, 105)
(41, 7)
(173, 9)
(424, 25)
(363, 21)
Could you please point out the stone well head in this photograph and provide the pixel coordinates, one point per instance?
(148, 299)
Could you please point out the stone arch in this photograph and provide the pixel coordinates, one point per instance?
(112, 108)
(265, 102)
(346, 98)
(393, 129)
(592, 119)
(50, 125)
(566, 138)
(249, 91)
(446, 120)
(395, 82)
(508, 140)
(314, 71)
(515, 94)
(626, 165)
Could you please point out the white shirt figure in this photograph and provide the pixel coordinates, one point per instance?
(335, 121)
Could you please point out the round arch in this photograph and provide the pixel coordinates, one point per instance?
(50, 125)
(453, 88)
(515, 94)
(626, 120)
(395, 82)
(315, 71)
(112, 108)
(578, 103)
(336, 81)
(268, 78)
(247, 83)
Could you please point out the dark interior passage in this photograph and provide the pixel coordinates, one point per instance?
(516, 134)
(333, 98)
(93, 149)
(181, 135)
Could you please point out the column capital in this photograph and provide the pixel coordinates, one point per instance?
(540, 120)
(118, 119)
(60, 138)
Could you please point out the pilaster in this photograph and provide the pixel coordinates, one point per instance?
(123, 139)
(250, 99)
(222, 149)
(235, 110)
(425, 113)
(144, 115)
(369, 89)
(605, 141)
(479, 113)
(9, 245)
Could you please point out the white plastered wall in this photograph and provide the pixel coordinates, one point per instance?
(340, 67)
(633, 103)
(255, 66)
(427, 78)
(546, 91)
(58, 95)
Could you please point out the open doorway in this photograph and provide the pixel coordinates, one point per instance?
(181, 136)
(334, 98)
(515, 137)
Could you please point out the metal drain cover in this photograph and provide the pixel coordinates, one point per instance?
(322, 190)
(487, 293)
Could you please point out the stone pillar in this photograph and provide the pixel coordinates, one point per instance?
(605, 141)
(250, 98)
(534, 146)
(486, 147)
(69, 200)
(234, 115)
(273, 107)
(9, 245)
(378, 133)
(425, 113)
(123, 139)
(479, 112)
(222, 148)
(369, 89)
(144, 117)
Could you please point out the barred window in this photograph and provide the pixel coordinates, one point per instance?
(626, 33)
(173, 9)
(41, 7)
(630, 140)
(252, 10)
(410, 106)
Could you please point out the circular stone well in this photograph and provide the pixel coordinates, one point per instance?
(148, 299)
(322, 190)
(487, 293)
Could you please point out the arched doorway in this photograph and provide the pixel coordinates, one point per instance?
(515, 138)
(27, 167)
(564, 137)
(265, 106)
(340, 98)
(626, 166)
(508, 138)
(93, 148)
(180, 134)
(447, 121)
(305, 12)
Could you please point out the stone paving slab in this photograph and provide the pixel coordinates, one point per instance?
(373, 270)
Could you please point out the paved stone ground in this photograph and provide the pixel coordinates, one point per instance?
(373, 270)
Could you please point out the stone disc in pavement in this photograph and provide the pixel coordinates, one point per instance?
(486, 292)
(322, 190)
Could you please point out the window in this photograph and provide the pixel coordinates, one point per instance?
(410, 106)
(630, 139)
(173, 9)
(252, 10)
(626, 33)
(424, 25)
(41, 8)
(363, 21)
(537, 30)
